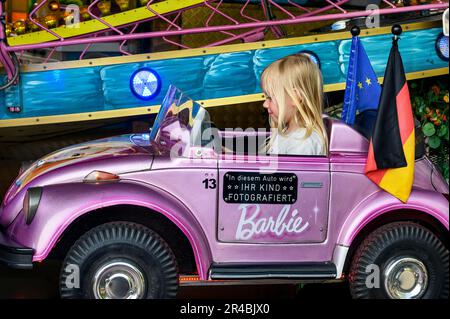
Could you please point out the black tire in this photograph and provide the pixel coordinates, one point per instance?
(394, 242)
(120, 242)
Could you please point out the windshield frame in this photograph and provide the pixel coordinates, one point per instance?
(178, 131)
(165, 106)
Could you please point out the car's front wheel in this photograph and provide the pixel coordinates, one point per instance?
(401, 260)
(119, 260)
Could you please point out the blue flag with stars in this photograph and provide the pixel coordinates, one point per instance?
(362, 91)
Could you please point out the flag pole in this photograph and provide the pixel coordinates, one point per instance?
(355, 31)
(350, 87)
(396, 31)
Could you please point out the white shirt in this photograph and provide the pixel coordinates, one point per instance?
(294, 144)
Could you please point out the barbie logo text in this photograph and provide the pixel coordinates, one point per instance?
(287, 222)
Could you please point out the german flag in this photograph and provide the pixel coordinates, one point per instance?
(390, 162)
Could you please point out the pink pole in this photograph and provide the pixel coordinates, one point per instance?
(161, 16)
(50, 55)
(311, 13)
(275, 30)
(236, 37)
(40, 25)
(170, 27)
(388, 3)
(282, 9)
(246, 16)
(86, 49)
(9, 73)
(121, 49)
(336, 6)
(5, 59)
(216, 9)
(298, 6)
(226, 27)
(100, 19)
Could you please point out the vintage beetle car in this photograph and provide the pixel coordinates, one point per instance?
(132, 214)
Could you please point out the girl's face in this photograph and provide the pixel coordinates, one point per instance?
(273, 109)
(271, 105)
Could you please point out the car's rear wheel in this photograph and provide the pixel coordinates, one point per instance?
(119, 260)
(401, 260)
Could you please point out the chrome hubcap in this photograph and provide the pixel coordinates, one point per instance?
(405, 278)
(119, 280)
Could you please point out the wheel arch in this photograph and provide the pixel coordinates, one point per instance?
(88, 201)
(397, 215)
(145, 216)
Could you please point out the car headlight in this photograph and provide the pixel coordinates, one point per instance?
(31, 203)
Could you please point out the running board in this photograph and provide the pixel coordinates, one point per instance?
(273, 271)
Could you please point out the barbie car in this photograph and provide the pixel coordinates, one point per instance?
(136, 216)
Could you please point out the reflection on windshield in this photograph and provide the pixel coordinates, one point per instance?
(180, 124)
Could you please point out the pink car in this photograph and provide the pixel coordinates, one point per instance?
(135, 216)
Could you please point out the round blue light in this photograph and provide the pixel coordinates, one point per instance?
(145, 83)
(312, 56)
(442, 46)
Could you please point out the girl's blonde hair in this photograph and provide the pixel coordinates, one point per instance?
(298, 77)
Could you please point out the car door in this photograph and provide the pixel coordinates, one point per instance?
(273, 199)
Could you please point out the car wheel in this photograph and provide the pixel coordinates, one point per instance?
(119, 260)
(402, 260)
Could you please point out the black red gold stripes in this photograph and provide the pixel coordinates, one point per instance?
(390, 162)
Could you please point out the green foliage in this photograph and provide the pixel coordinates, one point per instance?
(428, 129)
(434, 142)
(430, 101)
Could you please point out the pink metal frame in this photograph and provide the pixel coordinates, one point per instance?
(254, 28)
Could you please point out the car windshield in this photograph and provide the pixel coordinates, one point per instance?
(180, 124)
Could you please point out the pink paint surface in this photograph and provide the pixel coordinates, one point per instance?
(335, 212)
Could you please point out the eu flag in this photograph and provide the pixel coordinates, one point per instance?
(363, 90)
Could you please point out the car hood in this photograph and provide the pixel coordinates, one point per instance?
(115, 155)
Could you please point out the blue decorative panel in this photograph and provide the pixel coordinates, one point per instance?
(187, 74)
(56, 92)
(326, 51)
(229, 74)
(417, 49)
(101, 88)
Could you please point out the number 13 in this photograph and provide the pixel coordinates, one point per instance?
(210, 183)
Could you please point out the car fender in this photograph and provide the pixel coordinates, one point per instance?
(62, 204)
(381, 203)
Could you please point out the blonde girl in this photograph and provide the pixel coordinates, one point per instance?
(294, 100)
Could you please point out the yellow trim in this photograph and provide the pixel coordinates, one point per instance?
(79, 117)
(424, 74)
(91, 26)
(89, 116)
(220, 49)
(409, 77)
